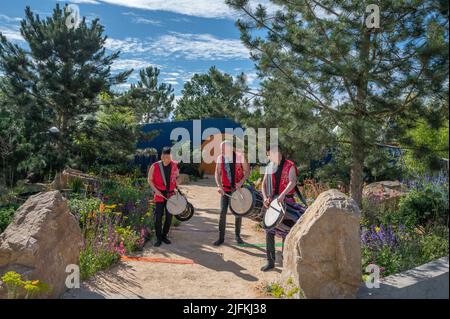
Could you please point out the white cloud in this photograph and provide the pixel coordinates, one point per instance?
(11, 34)
(127, 64)
(198, 8)
(136, 18)
(183, 45)
(198, 46)
(141, 20)
(9, 27)
(127, 45)
(9, 19)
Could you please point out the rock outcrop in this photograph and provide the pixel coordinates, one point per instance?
(382, 197)
(43, 238)
(63, 179)
(322, 253)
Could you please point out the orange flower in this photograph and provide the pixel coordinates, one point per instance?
(102, 207)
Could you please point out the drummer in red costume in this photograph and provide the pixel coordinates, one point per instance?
(162, 177)
(231, 172)
(279, 181)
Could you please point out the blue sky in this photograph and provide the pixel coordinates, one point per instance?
(181, 37)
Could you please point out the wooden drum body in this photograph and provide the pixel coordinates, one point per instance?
(247, 202)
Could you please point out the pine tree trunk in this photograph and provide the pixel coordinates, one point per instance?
(356, 174)
(358, 127)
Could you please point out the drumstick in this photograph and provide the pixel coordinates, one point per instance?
(163, 197)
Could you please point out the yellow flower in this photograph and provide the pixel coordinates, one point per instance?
(35, 282)
(377, 229)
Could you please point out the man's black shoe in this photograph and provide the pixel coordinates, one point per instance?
(166, 240)
(157, 243)
(218, 242)
(267, 267)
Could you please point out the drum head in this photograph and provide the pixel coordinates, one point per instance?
(176, 204)
(241, 201)
(273, 214)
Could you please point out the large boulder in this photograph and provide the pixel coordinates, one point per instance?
(63, 179)
(322, 253)
(382, 196)
(43, 238)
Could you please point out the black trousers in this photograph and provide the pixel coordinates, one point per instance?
(270, 247)
(224, 204)
(160, 210)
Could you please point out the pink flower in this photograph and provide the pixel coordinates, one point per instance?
(121, 249)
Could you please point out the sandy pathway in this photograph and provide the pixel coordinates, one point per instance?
(229, 271)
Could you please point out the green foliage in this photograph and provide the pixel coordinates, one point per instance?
(212, 95)
(129, 238)
(16, 287)
(81, 207)
(430, 145)
(322, 73)
(277, 291)
(61, 73)
(107, 139)
(420, 207)
(93, 261)
(153, 102)
(116, 223)
(76, 185)
(6, 216)
(255, 175)
(415, 247)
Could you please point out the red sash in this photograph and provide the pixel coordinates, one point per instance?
(284, 180)
(159, 179)
(238, 173)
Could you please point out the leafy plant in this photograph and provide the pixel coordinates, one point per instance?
(6, 216)
(92, 261)
(277, 291)
(76, 185)
(422, 207)
(16, 287)
(129, 238)
(395, 249)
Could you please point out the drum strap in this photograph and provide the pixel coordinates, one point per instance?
(269, 185)
(163, 175)
(232, 169)
(278, 174)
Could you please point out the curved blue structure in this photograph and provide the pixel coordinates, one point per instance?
(164, 129)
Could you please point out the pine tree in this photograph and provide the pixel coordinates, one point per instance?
(153, 102)
(212, 95)
(363, 78)
(56, 81)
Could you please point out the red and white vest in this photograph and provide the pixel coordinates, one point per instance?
(284, 180)
(238, 174)
(158, 180)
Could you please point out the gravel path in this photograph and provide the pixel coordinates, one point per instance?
(229, 271)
